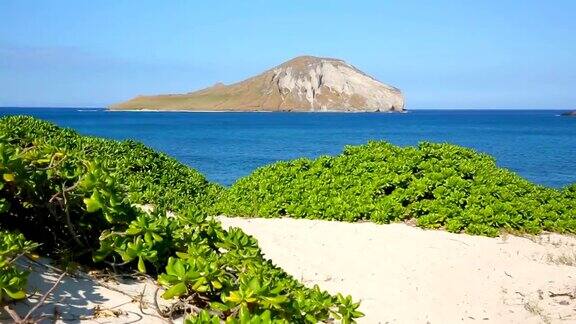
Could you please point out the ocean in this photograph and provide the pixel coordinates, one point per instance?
(539, 145)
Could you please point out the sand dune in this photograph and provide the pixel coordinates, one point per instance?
(404, 274)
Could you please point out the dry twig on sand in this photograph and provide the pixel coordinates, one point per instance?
(29, 318)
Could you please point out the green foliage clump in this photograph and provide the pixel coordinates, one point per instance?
(79, 198)
(150, 176)
(437, 185)
(13, 279)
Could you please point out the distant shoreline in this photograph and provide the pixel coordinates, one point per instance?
(254, 111)
(560, 110)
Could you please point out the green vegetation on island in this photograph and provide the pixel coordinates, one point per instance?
(436, 185)
(82, 200)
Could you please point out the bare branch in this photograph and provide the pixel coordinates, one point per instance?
(43, 298)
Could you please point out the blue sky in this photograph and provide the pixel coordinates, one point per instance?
(442, 54)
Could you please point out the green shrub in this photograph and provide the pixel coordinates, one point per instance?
(438, 185)
(81, 199)
(150, 177)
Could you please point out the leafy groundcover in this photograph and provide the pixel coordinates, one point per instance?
(435, 185)
(103, 203)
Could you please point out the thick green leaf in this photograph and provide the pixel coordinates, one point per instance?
(178, 289)
(141, 265)
(93, 203)
(15, 294)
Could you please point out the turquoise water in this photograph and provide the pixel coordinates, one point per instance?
(538, 144)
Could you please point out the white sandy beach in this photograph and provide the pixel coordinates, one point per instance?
(402, 274)
(87, 298)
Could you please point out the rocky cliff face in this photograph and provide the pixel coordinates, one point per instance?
(305, 83)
